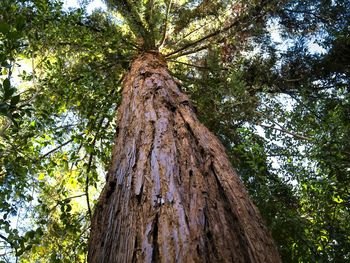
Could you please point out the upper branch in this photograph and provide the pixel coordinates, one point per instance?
(257, 13)
(209, 36)
(130, 13)
(165, 25)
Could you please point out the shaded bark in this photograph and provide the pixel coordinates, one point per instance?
(171, 193)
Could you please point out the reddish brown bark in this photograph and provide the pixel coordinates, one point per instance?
(171, 193)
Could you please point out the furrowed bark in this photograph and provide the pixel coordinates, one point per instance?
(171, 193)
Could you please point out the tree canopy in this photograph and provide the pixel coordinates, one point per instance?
(269, 78)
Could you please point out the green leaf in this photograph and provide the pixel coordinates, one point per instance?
(69, 208)
(6, 84)
(4, 28)
(337, 199)
(14, 35)
(5, 64)
(19, 252)
(4, 109)
(41, 176)
(39, 231)
(7, 89)
(30, 234)
(15, 100)
(20, 22)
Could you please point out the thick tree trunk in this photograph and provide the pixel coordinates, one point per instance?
(171, 193)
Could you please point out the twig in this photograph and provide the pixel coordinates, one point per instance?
(66, 199)
(299, 136)
(58, 147)
(11, 244)
(5, 239)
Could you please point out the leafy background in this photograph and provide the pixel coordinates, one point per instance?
(274, 87)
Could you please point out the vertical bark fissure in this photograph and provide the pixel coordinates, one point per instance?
(171, 193)
(155, 252)
(134, 255)
(232, 217)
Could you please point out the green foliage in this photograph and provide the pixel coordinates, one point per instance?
(282, 112)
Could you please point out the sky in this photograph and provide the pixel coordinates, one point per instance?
(94, 4)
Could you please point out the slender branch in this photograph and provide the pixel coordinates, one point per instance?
(87, 181)
(66, 199)
(131, 43)
(58, 147)
(213, 34)
(296, 135)
(293, 80)
(165, 25)
(308, 13)
(192, 65)
(192, 32)
(190, 52)
(127, 9)
(11, 244)
(72, 197)
(5, 239)
(149, 14)
(305, 105)
(77, 153)
(187, 64)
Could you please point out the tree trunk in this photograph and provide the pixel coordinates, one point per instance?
(171, 193)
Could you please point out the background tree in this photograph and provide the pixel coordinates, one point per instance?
(281, 110)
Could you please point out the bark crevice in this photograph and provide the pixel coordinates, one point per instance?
(155, 252)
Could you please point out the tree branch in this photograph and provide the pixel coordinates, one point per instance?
(165, 25)
(4, 238)
(66, 199)
(187, 64)
(58, 147)
(8, 241)
(296, 135)
(190, 52)
(128, 11)
(192, 65)
(213, 34)
(192, 32)
(308, 13)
